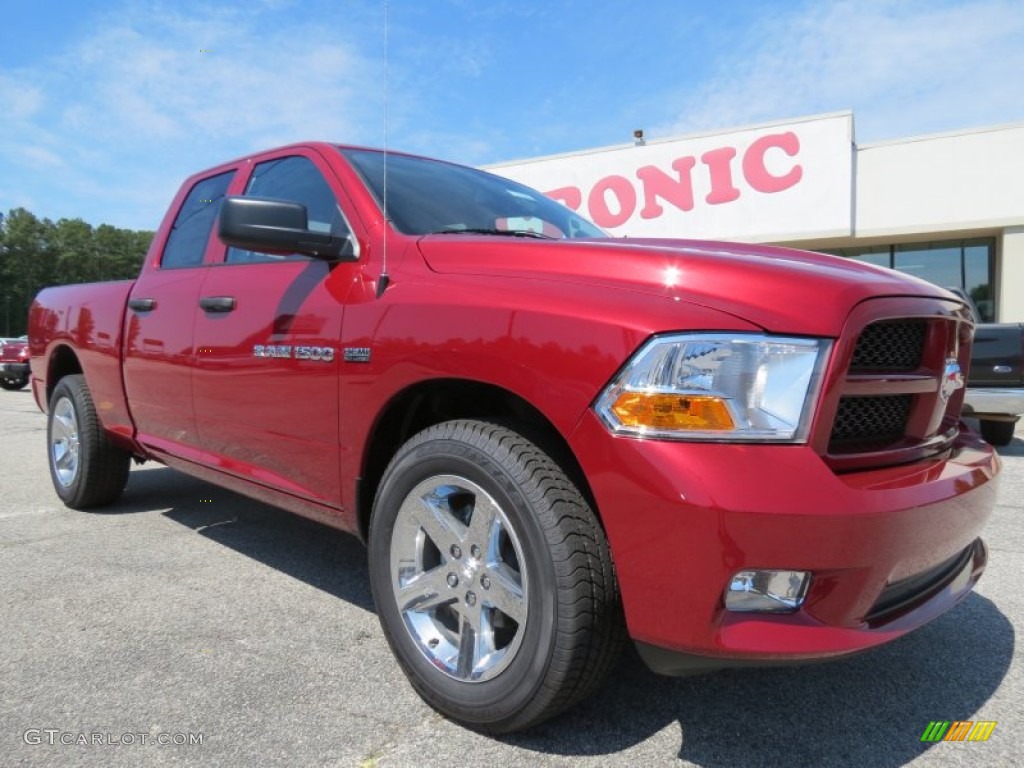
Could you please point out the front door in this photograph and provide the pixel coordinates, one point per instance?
(265, 381)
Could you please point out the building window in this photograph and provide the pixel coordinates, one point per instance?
(965, 264)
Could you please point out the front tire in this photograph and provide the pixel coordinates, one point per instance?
(997, 432)
(492, 578)
(86, 468)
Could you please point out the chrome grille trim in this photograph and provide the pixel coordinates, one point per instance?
(884, 404)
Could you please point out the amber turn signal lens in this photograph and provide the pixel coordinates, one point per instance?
(668, 411)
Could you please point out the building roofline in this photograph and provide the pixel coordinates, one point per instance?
(759, 126)
(670, 139)
(943, 135)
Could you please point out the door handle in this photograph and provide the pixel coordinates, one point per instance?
(217, 303)
(141, 305)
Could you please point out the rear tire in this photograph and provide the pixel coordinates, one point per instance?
(86, 468)
(492, 578)
(997, 432)
(14, 384)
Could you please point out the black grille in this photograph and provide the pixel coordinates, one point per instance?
(890, 346)
(881, 418)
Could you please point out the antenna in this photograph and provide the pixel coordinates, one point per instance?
(383, 280)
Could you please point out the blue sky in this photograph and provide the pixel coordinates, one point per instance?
(106, 106)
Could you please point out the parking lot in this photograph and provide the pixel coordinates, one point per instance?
(190, 614)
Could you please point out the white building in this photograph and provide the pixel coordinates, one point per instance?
(948, 207)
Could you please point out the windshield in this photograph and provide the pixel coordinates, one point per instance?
(430, 196)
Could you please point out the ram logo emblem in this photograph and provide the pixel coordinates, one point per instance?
(952, 379)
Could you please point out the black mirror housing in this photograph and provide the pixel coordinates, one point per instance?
(280, 226)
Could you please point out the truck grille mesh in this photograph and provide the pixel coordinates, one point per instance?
(890, 408)
(882, 418)
(890, 346)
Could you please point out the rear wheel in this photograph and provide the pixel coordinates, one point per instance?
(997, 432)
(492, 577)
(86, 468)
(13, 384)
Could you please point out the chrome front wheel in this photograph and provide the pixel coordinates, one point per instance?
(492, 577)
(458, 578)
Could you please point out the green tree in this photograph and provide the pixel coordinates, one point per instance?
(35, 253)
(75, 252)
(26, 265)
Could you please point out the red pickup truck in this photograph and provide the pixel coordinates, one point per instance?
(548, 438)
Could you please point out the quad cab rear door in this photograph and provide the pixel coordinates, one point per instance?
(161, 313)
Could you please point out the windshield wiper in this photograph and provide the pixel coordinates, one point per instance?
(494, 231)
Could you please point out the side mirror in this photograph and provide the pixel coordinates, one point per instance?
(281, 226)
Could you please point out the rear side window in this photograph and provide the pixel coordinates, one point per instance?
(298, 180)
(186, 244)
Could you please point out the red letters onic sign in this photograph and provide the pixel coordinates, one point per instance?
(613, 200)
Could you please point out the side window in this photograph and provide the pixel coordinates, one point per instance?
(186, 244)
(298, 180)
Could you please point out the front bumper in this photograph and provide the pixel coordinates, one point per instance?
(14, 370)
(994, 401)
(682, 518)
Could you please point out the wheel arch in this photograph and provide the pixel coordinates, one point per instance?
(63, 362)
(431, 402)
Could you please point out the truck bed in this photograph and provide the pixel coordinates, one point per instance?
(88, 318)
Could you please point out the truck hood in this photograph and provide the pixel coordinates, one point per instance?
(783, 290)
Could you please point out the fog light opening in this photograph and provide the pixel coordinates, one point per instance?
(767, 591)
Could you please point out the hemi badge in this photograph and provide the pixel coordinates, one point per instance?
(356, 354)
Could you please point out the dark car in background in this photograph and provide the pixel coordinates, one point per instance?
(995, 387)
(995, 384)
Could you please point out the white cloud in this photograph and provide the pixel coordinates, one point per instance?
(467, 146)
(904, 68)
(17, 199)
(41, 158)
(153, 95)
(20, 101)
(169, 77)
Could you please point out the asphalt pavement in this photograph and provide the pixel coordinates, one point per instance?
(188, 625)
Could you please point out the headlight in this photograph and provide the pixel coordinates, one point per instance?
(713, 386)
